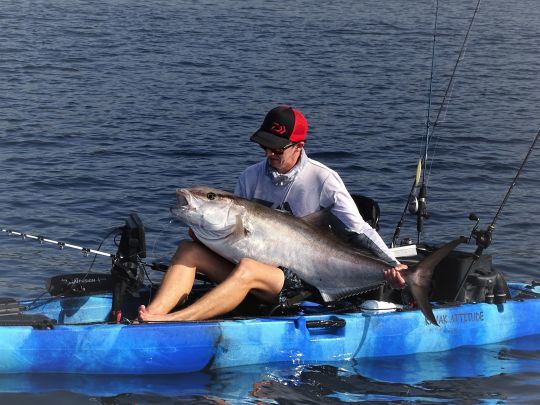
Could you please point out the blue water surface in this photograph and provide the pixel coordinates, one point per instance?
(107, 106)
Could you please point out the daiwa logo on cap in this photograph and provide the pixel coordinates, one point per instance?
(278, 128)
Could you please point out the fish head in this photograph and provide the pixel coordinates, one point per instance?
(210, 213)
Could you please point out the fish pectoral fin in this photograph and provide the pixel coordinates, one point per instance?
(419, 279)
(240, 231)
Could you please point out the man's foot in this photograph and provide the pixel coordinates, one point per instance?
(147, 316)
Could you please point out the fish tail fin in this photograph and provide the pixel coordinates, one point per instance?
(419, 280)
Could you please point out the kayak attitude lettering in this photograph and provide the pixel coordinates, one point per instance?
(446, 319)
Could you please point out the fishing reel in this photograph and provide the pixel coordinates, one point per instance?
(413, 205)
(417, 205)
(482, 238)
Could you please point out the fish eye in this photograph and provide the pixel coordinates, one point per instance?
(211, 196)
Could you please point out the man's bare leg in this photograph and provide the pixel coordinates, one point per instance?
(178, 281)
(247, 275)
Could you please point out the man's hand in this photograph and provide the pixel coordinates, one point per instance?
(394, 277)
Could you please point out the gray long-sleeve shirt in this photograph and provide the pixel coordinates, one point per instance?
(309, 187)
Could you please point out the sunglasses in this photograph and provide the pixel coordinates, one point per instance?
(278, 151)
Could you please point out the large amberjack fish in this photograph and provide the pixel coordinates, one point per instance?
(237, 228)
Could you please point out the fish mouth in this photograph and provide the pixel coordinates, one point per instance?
(182, 202)
(182, 198)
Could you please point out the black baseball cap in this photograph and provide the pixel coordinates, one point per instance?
(281, 126)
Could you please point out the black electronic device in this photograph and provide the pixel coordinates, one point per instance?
(127, 270)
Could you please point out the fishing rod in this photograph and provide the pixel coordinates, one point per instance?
(85, 251)
(421, 206)
(418, 205)
(127, 271)
(483, 238)
(61, 245)
(410, 204)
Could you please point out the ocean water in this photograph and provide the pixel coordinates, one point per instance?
(107, 107)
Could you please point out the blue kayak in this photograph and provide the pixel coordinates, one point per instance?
(72, 335)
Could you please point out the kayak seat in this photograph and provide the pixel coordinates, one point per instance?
(369, 209)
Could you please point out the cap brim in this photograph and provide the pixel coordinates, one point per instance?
(269, 140)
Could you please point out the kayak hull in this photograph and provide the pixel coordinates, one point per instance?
(179, 347)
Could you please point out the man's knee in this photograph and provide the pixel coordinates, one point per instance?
(264, 280)
(246, 270)
(251, 272)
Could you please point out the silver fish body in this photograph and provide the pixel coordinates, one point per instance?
(237, 228)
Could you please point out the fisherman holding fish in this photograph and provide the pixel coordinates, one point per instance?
(286, 180)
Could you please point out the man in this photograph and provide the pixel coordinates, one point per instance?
(286, 179)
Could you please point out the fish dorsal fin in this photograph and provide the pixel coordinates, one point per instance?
(320, 219)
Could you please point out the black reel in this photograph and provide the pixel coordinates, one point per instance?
(127, 270)
(483, 238)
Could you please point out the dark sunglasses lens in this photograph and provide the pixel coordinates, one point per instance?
(278, 151)
(274, 151)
